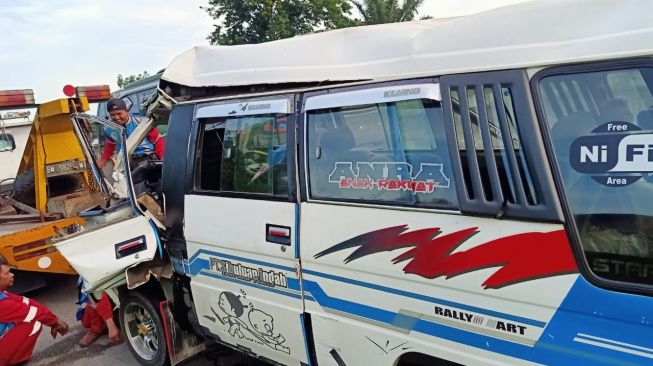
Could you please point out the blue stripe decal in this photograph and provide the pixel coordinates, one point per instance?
(611, 319)
(554, 348)
(611, 342)
(347, 306)
(418, 325)
(247, 260)
(245, 283)
(198, 265)
(533, 322)
(612, 316)
(292, 283)
(497, 314)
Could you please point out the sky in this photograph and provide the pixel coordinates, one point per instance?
(45, 45)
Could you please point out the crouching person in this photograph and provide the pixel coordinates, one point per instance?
(97, 318)
(21, 320)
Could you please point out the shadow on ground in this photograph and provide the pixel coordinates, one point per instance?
(67, 350)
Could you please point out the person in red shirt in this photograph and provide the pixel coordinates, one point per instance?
(153, 146)
(21, 320)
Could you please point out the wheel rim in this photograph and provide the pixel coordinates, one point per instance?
(141, 331)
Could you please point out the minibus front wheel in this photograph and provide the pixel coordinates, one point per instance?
(142, 325)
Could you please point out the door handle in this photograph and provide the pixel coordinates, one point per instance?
(277, 234)
(131, 246)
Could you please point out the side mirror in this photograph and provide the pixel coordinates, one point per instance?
(7, 142)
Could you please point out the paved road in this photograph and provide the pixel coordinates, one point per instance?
(60, 297)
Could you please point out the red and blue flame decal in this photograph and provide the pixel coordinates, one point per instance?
(520, 258)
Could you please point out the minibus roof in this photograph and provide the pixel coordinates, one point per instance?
(531, 34)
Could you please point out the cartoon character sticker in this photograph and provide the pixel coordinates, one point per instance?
(263, 330)
(231, 305)
(255, 326)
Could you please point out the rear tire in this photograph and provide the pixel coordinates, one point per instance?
(24, 191)
(142, 326)
(24, 188)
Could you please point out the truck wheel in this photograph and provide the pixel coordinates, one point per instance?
(141, 323)
(24, 188)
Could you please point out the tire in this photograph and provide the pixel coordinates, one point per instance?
(142, 327)
(24, 186)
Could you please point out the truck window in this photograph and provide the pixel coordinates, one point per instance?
(393, 152)
(244, 155)
(601, 128)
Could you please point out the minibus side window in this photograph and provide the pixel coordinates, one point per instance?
(601, 129)
(389, 153)
(244, 155)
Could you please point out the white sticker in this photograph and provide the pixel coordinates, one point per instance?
(44, 262)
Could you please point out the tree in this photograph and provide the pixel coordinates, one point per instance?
(387, 11)
(255, 21)
(123, 81)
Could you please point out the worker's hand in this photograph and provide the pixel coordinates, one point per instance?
(101, 163)
(113, 331)
(60, 327)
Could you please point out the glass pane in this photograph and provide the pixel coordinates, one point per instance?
(416, 135)
(386, 152)
(103, 144)
(245, 154)
(522, 163)
(603, 154)
(460, 140)
(500, 153)
(209, 166)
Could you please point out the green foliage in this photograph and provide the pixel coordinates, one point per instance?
(387, 11)
(123, 81)
(255, 21)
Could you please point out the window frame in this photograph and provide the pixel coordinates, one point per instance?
(198, 137)
(570, 227)
(303, 146)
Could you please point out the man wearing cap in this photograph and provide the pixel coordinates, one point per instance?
(151, 147)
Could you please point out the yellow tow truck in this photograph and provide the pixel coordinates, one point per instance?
(52, 184)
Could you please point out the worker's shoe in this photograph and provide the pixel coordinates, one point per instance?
(89, 338)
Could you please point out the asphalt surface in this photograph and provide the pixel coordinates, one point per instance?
(60, 296)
